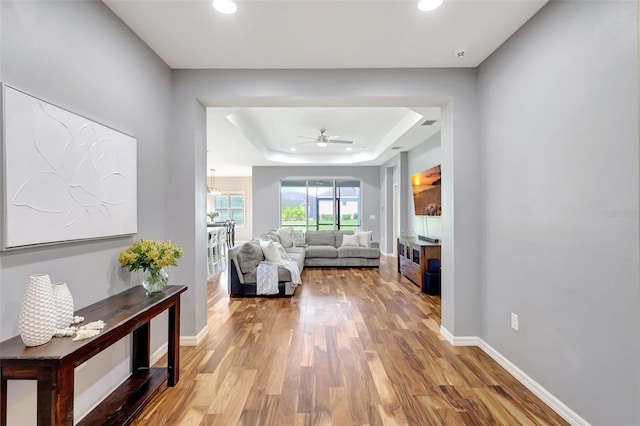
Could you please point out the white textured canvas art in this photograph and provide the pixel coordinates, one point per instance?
(65, 177)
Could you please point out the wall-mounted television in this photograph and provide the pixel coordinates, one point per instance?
(427, 197)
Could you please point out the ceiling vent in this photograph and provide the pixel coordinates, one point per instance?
(428, 122)
(396, 147)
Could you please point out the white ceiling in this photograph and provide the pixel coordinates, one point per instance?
(239, 138)
(298, 34)
(324, 33)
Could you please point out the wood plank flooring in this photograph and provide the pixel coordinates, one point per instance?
(352, 347)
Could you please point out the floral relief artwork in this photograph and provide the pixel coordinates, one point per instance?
(66, 177)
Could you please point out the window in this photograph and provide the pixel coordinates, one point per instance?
(315, 204)
(230, 206)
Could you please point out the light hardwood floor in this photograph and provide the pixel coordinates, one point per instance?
(352, 347)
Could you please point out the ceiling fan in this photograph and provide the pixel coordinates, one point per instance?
(323, 140)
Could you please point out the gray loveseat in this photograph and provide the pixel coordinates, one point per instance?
(320, 248)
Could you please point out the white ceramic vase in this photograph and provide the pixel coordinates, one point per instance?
(63, 302)
(37, 312)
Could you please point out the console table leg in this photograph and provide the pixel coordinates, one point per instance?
(55, 397)
(174, 347)
(3, 400)
(141, 347)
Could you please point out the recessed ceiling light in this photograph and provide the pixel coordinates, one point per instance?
(293, 148)
(349, 148)
(226, 7)
(427, 5)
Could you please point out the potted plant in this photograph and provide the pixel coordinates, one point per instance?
(212, 216)
(151, 256)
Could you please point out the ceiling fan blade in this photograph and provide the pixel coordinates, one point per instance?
(333, 137)
(340, 141)
(307, 137)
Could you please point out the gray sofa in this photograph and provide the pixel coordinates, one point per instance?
(320, 248)
(324, 248)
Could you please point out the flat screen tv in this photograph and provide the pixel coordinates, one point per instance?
(427, 198)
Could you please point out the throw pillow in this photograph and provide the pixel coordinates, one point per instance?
(286, 237)
(283, 253)
(349, 240)
(364, 238)
(272, 235)
(270, 250)
(298, 238)
(249, 256)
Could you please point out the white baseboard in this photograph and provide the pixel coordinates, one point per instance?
(158, 353)
(194, 340)
(547, 397)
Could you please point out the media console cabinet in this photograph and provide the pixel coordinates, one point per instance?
(52, 364)
(412, 258)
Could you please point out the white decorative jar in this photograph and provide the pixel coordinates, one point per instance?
(63, 302)
(37, 312)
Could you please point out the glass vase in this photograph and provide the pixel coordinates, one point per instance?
(156, 281)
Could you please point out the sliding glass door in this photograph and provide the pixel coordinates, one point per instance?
(293, 204)
(348, 204)
(317, 204)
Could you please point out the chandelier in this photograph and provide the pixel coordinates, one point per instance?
(211, 188)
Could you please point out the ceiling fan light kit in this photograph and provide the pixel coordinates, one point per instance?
(322, 140)
(226, 7)
(428, 5)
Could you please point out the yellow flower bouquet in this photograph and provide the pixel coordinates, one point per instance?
(151, 256)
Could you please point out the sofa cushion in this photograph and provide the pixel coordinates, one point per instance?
(363, 252)
(283, 274)
(321, 238)
(321, 251)
(286, 237)
(339, 235)
(349, 241)
(294, 250)
(252, 277)
(249, 255)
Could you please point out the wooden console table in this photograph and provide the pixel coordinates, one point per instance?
(412, 258)
(53, 363)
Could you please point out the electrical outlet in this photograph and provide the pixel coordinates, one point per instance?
(514, 321)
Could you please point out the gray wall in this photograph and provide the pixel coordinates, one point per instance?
(80, 56)
(266, 193)
(559, 105)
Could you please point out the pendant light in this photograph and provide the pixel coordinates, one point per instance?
(211, 188)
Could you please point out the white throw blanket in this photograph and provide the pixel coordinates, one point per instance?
(267, 275)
